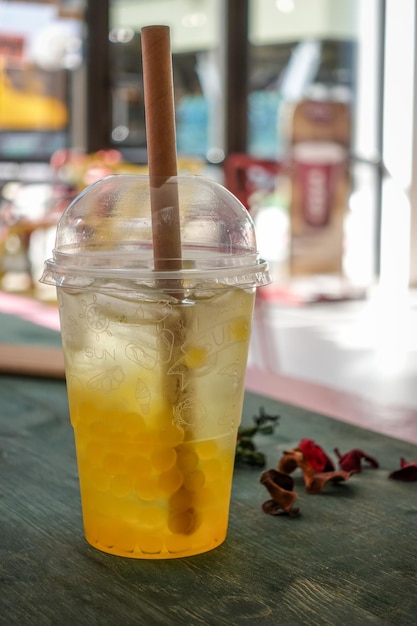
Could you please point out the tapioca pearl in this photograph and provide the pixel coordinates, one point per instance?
(169, 482)
(205, 498)
(171, 434)
(216, 518)
(147, 488)
(99, 530)
(163, 458)
(206, 449)
(150, 544)
(131, 424)
(183, 522)
(195, 356)
(82, 411)
(180, 500)
(114, 463)
(94, 452)
(121, 485)
(187, 458)
(193, 481)
(117, 536)
(138, 465)
(240, 329)
(98, 479)
(82, 432)
(178, 543)
(100, 429)
(152, 516)
(213, 469)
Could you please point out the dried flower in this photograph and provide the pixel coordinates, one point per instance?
(351, 461)
(280, 487)
(406, 473)
(314, 479)
(315, 456)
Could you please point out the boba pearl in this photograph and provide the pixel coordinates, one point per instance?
(183, 522)
(121, 485)
(213, 469)
(152, 516)
(180, 500)
(99, 480)
(240, 329)
(137, 465)
(205, 498)
(146, 488)
(169, 482)
(206, 449)
(149, 544)
(177, 543)
(194, 480)
(113, 463)
(187, 459)
(94, 452)
(195, 357)
(163, 458)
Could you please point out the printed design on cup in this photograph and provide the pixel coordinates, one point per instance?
(143, 396)
(96, 317)
(70, 330)
(189, 412)
(147, 356)
(200, 354)
(234, 371)
(107, 381)
(154, 314)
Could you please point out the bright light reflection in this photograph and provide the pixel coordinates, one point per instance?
(194, 20)
(285, 6)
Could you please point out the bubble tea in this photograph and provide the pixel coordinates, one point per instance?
(155, 362)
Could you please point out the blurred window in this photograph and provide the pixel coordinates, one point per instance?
(40, 46)
(293, 45)
(195, 40)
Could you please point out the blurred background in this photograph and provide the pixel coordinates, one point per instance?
(305, 109)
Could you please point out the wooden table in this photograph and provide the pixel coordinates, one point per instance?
(349, 558)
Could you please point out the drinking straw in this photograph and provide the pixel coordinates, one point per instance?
(166, 234)
(161, 143)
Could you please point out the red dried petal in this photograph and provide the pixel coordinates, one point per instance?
(406, 473)
(351, 461)
(315, 456)
(314, 480)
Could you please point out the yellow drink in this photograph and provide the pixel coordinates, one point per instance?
(155, 391)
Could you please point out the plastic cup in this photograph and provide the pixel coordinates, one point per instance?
(155, 362)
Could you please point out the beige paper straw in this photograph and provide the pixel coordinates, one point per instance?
(161, 142)
(166, 233)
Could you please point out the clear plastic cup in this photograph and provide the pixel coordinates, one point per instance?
(155, 361)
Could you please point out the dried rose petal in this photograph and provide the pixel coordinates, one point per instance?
(315, 456)
(270, 507)
(314, 480)
(280, 487)
(290, 461)
(351, 461)
(314, 484)
(406, 473)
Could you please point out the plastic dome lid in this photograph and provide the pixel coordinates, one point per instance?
(106, 234)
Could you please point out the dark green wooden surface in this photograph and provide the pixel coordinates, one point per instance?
(350, 558)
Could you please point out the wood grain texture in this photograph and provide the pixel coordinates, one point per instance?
(348, 559)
